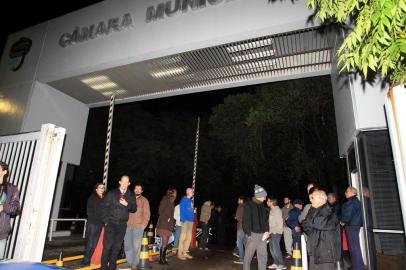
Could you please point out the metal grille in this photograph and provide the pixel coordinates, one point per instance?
(294, 53)
(18, 152)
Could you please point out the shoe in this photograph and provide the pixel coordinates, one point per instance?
(236, 255)
(182, 257)
(200, 248)
(188, 256)
(206, 248)
(273, 266)
(238, 262)
(288, 256)
(281, 267)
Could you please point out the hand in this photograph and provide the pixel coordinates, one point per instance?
(123, 202)
(1, 208)
(297, 229)
(341, 223)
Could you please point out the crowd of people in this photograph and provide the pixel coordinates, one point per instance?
(324, 224)
(261, 225)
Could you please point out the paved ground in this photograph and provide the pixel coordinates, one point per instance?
(217, 258)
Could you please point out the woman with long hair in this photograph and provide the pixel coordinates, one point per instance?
(94, 221)
(166, 222)
(9, 205)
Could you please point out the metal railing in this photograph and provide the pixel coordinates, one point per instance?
(51, 227)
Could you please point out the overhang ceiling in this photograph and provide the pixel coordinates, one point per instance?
(299, 53)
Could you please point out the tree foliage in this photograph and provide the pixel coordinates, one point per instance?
(378, 37)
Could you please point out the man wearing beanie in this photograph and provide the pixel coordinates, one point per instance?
(256, 227)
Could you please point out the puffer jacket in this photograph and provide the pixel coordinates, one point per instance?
(10, 199)
(323, 231)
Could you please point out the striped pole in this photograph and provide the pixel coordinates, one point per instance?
(108, 139)
(195, 160)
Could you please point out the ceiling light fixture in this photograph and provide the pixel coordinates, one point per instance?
(168, 72)
(250, 45)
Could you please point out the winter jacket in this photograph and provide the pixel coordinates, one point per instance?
(255, 217)
(140, 218)
(293, 220)
(113, 211)
(275, 221)
(239, 216)
(10, 199)
(186, 210)
(285, 212)
(166, 210)
(205, 212)
(94, 209)
(323, 235)
(351, 212)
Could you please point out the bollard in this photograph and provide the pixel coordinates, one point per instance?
(297, 257)
(144, 254)
(151, 234)
(59, 262)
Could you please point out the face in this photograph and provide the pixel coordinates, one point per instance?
(2, 173)
(348, 193)
(331, 199)
(286, 200)
(268, 203)
(100, 190)
(300, 206)
(261, 199)
(189, 192)
(124, 182)
(138, 190)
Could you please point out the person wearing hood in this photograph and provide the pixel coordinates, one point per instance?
(321, 226)
(205, 215)
(256, 227)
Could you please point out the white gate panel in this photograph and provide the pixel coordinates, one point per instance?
(34, 161)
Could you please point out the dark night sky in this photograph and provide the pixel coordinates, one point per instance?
(18, 15)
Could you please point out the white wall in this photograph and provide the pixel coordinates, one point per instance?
(49, 105)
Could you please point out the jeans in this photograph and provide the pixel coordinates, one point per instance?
(92, 237)
(177, 236)
(132, 244)
(355, 247)
(275, 249)
(241, 243)
(2, 248)
(185, 237)
(205, 235)
(287, 238)
(255, 243)
(113, 238)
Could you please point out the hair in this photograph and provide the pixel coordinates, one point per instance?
(171, 194)
(273, 201)
(139, 185)
(313, 189)
(3, 186)
(332, 194)
(242, 198)
(320, 194)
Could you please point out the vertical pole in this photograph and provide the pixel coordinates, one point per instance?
(195, 159)
(108, 139)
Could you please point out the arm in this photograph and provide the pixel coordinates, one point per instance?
(247, 221)
(304, 213)
(89, 208)
(146, 214)
(106, 205)
(12, 207)
(346, 212)
(132, 204)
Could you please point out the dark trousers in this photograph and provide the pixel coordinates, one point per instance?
(354, 246)
(205, 235)
(112, 241)
(92, 237)
(221, 233)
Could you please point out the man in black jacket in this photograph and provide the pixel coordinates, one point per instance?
(116, 207)
(256, 227)
(322, 228)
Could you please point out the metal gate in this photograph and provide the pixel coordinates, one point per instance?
(33, 160)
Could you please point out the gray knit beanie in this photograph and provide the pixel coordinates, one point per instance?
(259, 192)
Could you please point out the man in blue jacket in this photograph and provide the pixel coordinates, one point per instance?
(351, 218)
(293, 220)
(186, 218)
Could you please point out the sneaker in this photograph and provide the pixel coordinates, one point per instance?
(206, 248)
(273, 266)
(236, 255)
(188, 256)
(182, 257)
(281, 267)
(288, 256)
(200, 248)
(238, 262)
